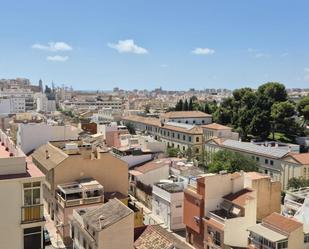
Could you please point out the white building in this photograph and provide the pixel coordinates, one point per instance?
(43, 104)
(109, 226)
(21, 215)
(31, 136)
(187, 117)
(167, 203)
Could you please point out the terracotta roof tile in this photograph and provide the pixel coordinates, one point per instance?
(281, 223)
(153, 165)
(185, 114)
(302, 158)
(215, 126)
(240, 198)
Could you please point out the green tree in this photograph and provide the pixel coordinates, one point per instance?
(296, 183)
(172, 152)
(231, 162)
(190, 108)
(275, 91)
(179, 105)
(186, 106)
(282, 114)
(303, 109)
(131, 128)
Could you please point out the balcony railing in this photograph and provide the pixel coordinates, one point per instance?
(32, 213)
(76, 202)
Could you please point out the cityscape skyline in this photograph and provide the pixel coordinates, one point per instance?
(145, 46)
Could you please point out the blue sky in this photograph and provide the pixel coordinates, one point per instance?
(100, 44)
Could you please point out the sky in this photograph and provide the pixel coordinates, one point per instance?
(139, 44)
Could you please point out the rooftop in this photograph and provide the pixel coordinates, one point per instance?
(156, 237)
(106, 215)
(240, 198)
(302, 158)
(170, 187)
(281, 223)
(267, 233)
(255, 149)
(153, 165)
(215, 126)
(185, 114)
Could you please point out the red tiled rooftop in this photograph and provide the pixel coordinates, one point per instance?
(153, 165)
(281, 223)
(215, 126)
(302, 158)
(240, 198)
(256, 175)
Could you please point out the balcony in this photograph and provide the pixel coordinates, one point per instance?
(86, 191)
(32, 213)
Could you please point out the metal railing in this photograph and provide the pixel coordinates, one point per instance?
(32, 213)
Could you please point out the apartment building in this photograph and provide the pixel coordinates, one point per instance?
(219, 208)
(64, 162)
(109, 226)
(82, 193)
(143, 177)
(43, 104)
(278, 232)
(31, 136)
(175, 134)
(167, 203)
(186, 117)
(22, 219)
(280, 164)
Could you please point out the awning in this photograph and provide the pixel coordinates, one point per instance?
(267, 233)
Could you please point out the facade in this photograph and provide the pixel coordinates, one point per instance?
(167, 203)
(82, 193)
(218, 215)
(143, 177)
(64, 163)
(109, 226)
(31, 136)
(43, 104)
(277, 231)
(187, 117)
(280, 164)
(22, 218)
(174, 134)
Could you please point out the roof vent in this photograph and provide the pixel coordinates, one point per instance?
(46, 154)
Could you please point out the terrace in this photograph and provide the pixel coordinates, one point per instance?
(81, 192)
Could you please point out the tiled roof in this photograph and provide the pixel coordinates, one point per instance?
(215, 126)
(302, 158)
(152, 165)
(105, 215)
(281, 223)
(185, 114)
(156, 237)
(240, 198)
(54, 158)
(256, 175)
(254, 149)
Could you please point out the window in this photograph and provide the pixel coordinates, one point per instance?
(271, 162)
(203, 121)
(186, 121)
(306, 238)
(197, 139)
(173, 135)
(193, 121)
(178, 206)
(32, 193)
(183, 148)
(197, 150)
(257, 159)
(32, 238)
(172, 145)
(283, 245)
(184, 137)
(168, 133)
(266, 161)
(178, 146)
(190, 138)
(178, 136)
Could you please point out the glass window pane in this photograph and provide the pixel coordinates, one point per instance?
(27, 185)
(36, 196)
(27, 197)
(36, 184)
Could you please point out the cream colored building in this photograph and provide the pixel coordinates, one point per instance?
(280, 164)
(278, 232)
(21, 216)
(180, 133)
(109, 226)
(67, 162)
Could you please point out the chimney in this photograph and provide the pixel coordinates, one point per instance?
(46, 153)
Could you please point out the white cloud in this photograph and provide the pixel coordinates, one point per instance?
(53, 46)
(57, 58)
(128, 46)
(203, 51)
(306, 70)
(261, 55)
